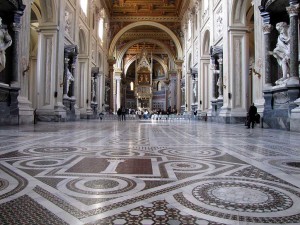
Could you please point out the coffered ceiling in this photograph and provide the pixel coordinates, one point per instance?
(153, 8)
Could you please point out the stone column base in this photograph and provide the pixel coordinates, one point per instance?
(295, 117)
(279, 103)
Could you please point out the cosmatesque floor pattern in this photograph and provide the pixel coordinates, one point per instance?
(148, 172)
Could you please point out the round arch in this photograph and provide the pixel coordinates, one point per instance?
(37, 12)
(128, 45)
(48, 10)
(146, 23)
(159, 60)
(239, 11)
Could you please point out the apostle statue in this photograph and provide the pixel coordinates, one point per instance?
(282, 50)
(5, 42)
(70, 78)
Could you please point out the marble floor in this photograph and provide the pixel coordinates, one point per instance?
(148, 172)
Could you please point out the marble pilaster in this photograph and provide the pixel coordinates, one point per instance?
(220, 60)
(118, 91)
(293, 11)
(65, 83)
(213, 82)
(267, 28)
(16, 27)
(179, 76)
(111, 101)
(188, 92)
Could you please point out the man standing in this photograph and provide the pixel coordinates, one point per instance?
(123, 112)
(252, 113)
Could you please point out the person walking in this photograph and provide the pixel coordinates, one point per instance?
(252, 113)
(123, 113)
(119, 113)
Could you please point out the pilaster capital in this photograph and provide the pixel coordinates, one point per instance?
(179, 62)
(111, 61)
(293, 10)
(267, 28)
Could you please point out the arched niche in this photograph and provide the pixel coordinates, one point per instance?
(128, 45)
(49, 10)
(146, 23)
(206, 43)
(82, 42)
(239, 12)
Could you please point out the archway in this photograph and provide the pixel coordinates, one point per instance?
(204, 75)
(128, 45)
(146, 23)
(239, 84)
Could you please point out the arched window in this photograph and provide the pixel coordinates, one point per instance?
(100, 28)
(131, 86)
(84, 6)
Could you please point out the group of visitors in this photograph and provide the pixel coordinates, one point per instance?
(121, 113)
(252, 116)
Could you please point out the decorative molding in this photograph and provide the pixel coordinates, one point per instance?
(237, 71)
(140, 18)
(219, 23)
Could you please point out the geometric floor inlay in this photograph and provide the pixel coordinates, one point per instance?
(144, 172)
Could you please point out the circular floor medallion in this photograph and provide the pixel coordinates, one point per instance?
(242, 197)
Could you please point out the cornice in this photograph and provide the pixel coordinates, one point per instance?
(156, 35)
(145, 18)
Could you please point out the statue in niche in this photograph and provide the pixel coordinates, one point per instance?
(219, 85)
(5, 42)
(93, 89)
(146, 78)
(141, 78)
(70, 79)
(195, 91)
(282, 51)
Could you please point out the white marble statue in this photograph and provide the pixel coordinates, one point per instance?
(282, 51)
(93, 89)
(5, 42)
(69, 79)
